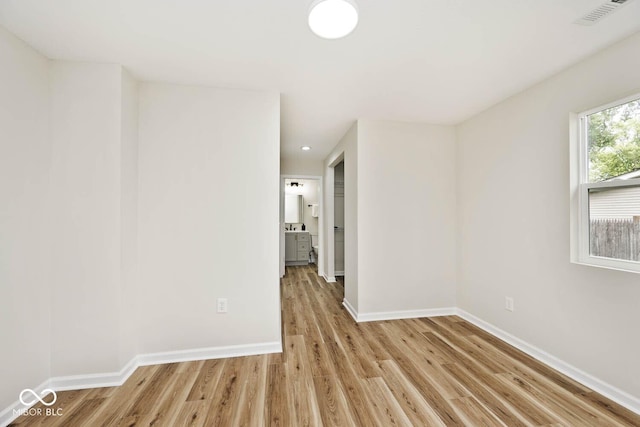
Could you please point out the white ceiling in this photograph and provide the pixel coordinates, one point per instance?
(436, 61)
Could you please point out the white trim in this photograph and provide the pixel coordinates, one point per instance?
(352, 311)
(607, 263)
(396, 315)
(6, 416)
(404, 314)
(110, 379)
(281, 228)
(113, 379)
(329, 279)
(329, 202)
(613, 183)
(621, 397)
(209, 353)
(298, 176)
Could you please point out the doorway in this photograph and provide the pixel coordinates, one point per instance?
(305, 229)
(338, 220)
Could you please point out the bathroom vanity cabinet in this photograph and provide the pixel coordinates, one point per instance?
(297, 245)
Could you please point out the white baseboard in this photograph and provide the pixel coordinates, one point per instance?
(208, 353)
(396, 315)
(9, 414)
(112, 379)
(107, 379)
(329, 279)
(352, 311)
(621, 397)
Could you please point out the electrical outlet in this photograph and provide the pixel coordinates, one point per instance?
(508, 303)
(222, 305)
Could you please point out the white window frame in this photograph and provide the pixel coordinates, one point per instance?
(580, 186)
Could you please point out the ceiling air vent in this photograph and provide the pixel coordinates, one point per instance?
(600, 12)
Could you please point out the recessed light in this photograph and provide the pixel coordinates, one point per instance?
(305, 148)
(333, 19)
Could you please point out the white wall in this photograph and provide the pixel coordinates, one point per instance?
(206, 229)
(300, 166)
(128, 218)
(85, 217)
(72, 218)
(68, 223)
(25, 157)
(406, 216)
(513, 224)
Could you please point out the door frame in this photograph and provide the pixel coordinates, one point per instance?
(337, 272)
(329, 272)
(321, 242)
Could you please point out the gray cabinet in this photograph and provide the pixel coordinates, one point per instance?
(297, 245)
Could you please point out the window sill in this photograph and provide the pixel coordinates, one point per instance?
(610, 264)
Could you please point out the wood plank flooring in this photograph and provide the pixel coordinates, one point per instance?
(438, 371)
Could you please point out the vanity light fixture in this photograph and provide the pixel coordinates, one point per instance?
(305, 148)
(333, 19)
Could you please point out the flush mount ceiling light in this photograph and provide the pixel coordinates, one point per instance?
(333, 19)
(305, 148)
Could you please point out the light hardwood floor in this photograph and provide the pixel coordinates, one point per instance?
(419, 372)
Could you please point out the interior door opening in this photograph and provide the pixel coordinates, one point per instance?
(301, 222)
(338, 219)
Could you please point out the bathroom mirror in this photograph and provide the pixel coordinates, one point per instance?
(293, 209)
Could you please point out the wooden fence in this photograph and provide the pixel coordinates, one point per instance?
(616, 238)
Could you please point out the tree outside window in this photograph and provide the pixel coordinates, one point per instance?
(614, 141)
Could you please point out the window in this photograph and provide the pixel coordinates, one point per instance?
(608, 186)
